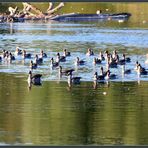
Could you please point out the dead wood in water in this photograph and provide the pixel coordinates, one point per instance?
(55, 9)
(12, 10)
(31, 12)
(50, 6)
(29, 7)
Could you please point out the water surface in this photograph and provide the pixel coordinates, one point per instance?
(113, 113)
(53, 114)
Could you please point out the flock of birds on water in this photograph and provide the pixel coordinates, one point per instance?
(112, 61)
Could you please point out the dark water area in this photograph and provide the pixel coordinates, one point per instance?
(111, 113)
(53, 114)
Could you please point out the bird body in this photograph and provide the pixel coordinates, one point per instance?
(26, 55)
(60, 58)
(34, 79)
(97, 61)
(73, 80)
(79, 62)
(64, 72)
(89, 52)
(65, 53)
(54, 64)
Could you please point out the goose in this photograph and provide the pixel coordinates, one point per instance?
(98, 77)
(64, 72)
(89, 52)
(111, 63)
(18, 51)
(11, 57)
(96, 61)
(141, 70)
(33, 65)
(102, 58)
(127, 59)
(125, 71)
(121, 62)
(79, 62)
(5, 54)
(60, 58)
(73, 80)
(34, 79)
(136, 67)
(54, 64)
(43, 54)
(104, 73)
(65, 53)
(110, 76)
(38, 60)
(26, 55)
(114, 55)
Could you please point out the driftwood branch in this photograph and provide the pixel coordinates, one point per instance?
(37, 13)
(55, 9)
(12, 10)
(30, 7)
(50, 6)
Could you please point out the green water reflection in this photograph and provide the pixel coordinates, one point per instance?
(53, 114)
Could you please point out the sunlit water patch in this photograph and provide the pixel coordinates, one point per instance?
(53, 37)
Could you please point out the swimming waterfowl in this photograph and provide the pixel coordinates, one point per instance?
(95, 78)
(54, 64)
(60, 58)
(102, 72)
(65, 53)
(90, 52)
(141, 70)
(114, 55)
(34, 79)
(73, 80)
(127, 59)
(65, 72)
(43, 54)
(111, 63)
(79, 62)
(98, 77)
(18, 51)
(97, 61)
(26, 55)
(0, 59)
(125, 71)
(121, 62)
(38, 60)
(136, 67)
(107, 55)
(10, 57)
(5, 54)
(110, 76)
(102, 58)
(33, 65)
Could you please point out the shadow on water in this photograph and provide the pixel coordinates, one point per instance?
(111, 114)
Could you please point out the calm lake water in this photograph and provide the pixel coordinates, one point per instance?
(113, 113)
